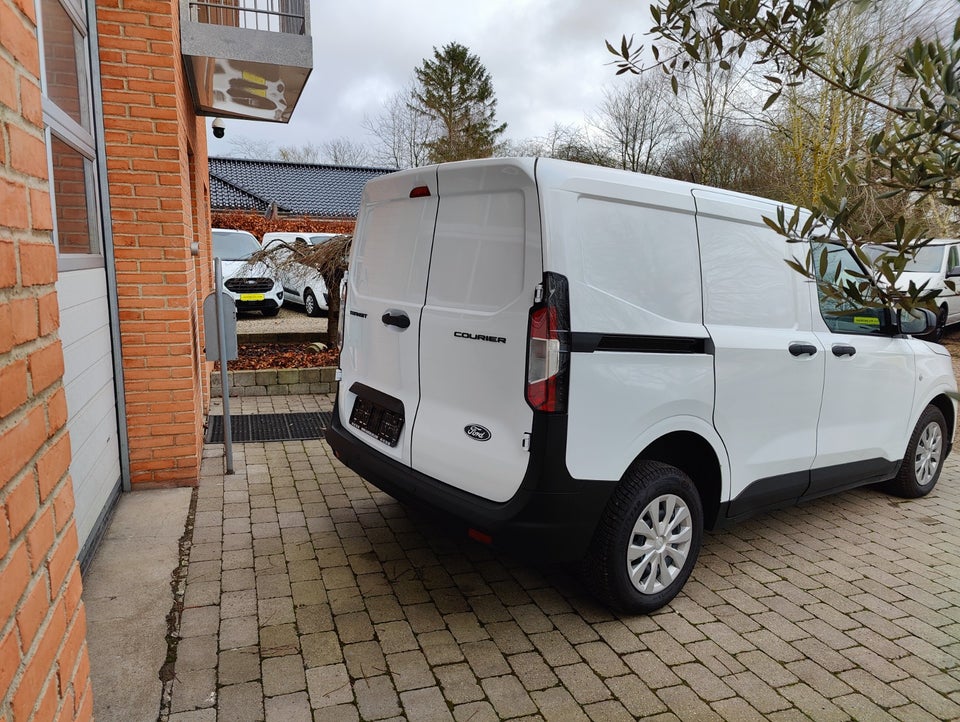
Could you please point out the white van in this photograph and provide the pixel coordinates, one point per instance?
(934, 265)
(253, 286)
(302, 284)
(588, 364)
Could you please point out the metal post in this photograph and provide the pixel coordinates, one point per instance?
(222, 355)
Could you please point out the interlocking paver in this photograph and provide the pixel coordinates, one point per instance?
(283, 675)
(238, 665)
(508, 696)
(310, 592)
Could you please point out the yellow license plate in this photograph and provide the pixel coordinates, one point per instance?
(251, 296)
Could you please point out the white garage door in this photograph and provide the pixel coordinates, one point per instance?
(91, 399)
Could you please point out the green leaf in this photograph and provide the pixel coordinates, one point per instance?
(771, 100)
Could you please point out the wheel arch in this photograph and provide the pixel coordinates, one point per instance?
(946, 407)
(696, 457)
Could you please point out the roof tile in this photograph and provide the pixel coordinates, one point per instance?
(324, 191)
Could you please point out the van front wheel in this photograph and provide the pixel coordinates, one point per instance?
(924, 459)
(648, 540)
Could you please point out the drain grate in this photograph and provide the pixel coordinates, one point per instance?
(269, 427)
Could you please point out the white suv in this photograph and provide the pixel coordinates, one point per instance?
(579, 363)
(253, 286)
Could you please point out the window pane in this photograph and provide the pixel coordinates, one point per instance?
(64, 63)
(74, 199)
(843, 316)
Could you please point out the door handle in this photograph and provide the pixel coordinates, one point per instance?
(842, 349)
(396, 318)
(801, 349)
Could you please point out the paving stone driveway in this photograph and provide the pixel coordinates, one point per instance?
(311, 595)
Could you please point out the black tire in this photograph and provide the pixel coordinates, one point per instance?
(923, 461)
(936, 335)
(310, 304)
(270, 312)
(648, 487)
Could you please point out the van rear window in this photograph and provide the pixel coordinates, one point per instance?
(478, 252)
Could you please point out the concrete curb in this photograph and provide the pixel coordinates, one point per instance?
(276, 382)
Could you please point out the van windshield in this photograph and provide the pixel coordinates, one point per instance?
(234, 246)
(929, 259)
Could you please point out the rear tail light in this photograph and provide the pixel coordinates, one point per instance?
(548, 350)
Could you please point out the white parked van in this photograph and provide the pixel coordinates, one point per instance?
(582, 363)
(302, 284)
(934, 265)
(253, 286)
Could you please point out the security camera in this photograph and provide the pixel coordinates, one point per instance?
(219, 127)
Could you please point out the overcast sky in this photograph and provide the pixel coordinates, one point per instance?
(547, 60)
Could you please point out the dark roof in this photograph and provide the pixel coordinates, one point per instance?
(302, 189)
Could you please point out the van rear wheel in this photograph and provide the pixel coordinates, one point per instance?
(924, 459)
(310, 304)
(648, 540)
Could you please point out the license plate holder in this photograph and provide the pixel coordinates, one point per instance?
(380, 422)
(251, 297)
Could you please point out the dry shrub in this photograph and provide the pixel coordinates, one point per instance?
(256, 224)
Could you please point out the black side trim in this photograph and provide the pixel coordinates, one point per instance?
(771, 493)
(552, 517)
(776, 492)
(847, 476)
(583, 342)
(378, 397)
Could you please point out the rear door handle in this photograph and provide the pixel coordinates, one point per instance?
(842, 349)
(396, 318)
(801, 349)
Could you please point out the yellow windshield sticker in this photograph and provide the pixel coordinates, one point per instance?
(866, 321)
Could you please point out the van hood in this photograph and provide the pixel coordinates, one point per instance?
(931, 279)
(245, 270)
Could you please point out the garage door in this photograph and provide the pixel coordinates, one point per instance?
(91, 398)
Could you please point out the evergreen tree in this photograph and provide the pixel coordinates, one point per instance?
(455, 90)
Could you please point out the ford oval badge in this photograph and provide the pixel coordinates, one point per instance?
(477, 432)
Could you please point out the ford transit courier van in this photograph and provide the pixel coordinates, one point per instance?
(588, 364)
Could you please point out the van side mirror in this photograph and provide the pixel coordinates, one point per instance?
(919, 322)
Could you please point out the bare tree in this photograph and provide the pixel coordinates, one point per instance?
(638, 121)
(402, 133)
(565, 142)
(308, 153)
(243, 146)
(344, 151)
(329, 259)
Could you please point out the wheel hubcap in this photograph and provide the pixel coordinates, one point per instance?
(929, 448)
(659, 544)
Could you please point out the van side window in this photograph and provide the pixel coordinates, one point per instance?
(953, 258)
(843, 317)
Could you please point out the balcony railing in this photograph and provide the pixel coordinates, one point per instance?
(278, 16)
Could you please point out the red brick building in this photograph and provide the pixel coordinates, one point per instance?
(104, 263)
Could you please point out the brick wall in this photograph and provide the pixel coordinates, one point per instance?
(157, 172)
(44, 673)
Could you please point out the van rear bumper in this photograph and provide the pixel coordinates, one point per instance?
(552, 517)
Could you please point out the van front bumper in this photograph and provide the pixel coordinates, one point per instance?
(552, 517)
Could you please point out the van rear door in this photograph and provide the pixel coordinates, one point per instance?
(472, 424)
(380, 386)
